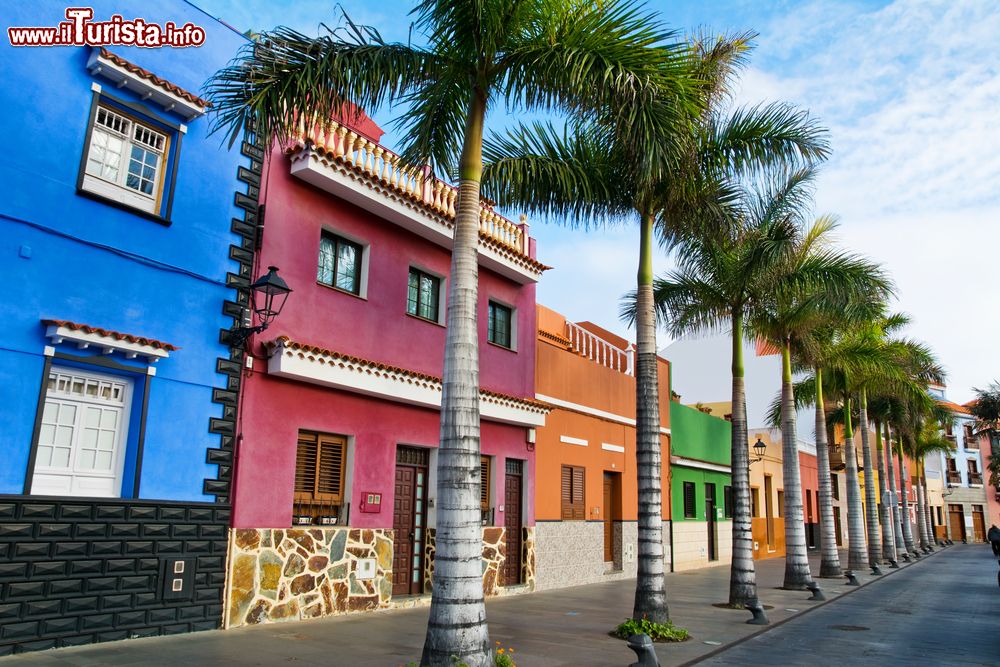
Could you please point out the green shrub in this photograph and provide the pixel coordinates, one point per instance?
(658, 632)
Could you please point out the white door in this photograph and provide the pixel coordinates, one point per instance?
(81, 443)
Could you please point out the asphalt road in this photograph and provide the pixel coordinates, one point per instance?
(946, 612)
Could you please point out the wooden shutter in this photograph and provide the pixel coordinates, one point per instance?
(578, 506)
(572, 492)
(484, 483)
(727, 500)
(319, 469)
(689, 508)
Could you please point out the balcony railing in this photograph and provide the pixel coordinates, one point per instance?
(972, 443)
(595, 348)
(837, 457)
(954, 477)
(975, 478)
(382, 165)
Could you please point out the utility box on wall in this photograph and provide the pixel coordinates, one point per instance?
(371, 502)
(177, 578)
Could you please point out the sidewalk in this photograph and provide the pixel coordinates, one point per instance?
(563, 628)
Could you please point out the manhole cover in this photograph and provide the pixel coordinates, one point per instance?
(849, 628)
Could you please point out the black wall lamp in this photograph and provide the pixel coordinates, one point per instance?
(759, 449)
(267, 297)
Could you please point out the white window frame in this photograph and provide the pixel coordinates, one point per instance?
(442, 294)
(513, 323)
(81, 482)
(365, 255)
(125, 128)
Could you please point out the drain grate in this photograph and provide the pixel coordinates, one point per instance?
(849, 628)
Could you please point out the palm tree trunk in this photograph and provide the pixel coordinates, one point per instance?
(829, 565)
(457, 626)
(884, 513)
(650, 586)
(931, 539)
(742, 574)
(871, 500)
(856, 557)
(921, 518)
(897, 524)
(797, 574)
(905, 499)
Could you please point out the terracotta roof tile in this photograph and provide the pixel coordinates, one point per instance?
(291, 344)
(954, 407)
(152, 78)
(117, 335)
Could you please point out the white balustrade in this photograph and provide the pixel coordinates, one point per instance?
(598, 350)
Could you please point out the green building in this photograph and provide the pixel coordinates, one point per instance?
(700, 488)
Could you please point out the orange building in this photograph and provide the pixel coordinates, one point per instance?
(585, 489)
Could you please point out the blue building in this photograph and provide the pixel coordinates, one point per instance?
(126, 232)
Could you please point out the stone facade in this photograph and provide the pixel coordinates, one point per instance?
(691, 544)
(494, 557)
(571, 553)
(291, 574)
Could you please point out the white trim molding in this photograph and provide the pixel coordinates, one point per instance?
(610, 416)
(701, 465)
(608, 447)
(573, 441)
(106, 344)
(98, 64)
(381, 199)
(305, 363)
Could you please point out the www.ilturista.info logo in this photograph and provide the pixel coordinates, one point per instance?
(80, 30)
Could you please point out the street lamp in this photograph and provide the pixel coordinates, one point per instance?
(759, 448)
(267, 297)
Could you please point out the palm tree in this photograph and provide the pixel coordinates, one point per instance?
(819, 284)
(529, 55)
(881, 408)
(985, 407)
(598, 172)
(726, 278)
(927, 439)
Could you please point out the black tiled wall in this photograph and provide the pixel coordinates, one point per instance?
(75, 572)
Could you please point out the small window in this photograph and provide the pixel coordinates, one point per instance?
(727, 501)
(484, 482)
(423, 295)
(126, 160)
(835, 486)
(499, 330)
(339, 263)
(573, 493)
(781, 503)
(754, 501)
(690, 511)
(319, 475)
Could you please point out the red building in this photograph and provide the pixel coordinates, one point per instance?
(334, 500)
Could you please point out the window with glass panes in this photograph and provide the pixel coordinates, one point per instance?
(499, 330)
(339, 263)
(126, 153)
(422, 295)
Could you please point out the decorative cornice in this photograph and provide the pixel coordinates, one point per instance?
(552, 402)
(316, 365)
(84, 336)
(701, 465)
(148, 85)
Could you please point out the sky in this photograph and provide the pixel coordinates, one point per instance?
(910, 92)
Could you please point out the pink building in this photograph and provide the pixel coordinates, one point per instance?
(334, 500)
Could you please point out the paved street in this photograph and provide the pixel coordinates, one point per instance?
(944, 612)
(942, 608)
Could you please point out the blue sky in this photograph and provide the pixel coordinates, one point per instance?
(910, 91)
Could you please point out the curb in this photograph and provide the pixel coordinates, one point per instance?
(721, 649)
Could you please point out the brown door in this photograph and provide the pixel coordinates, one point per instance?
(836, 525)
(609, 525)
(409, 521)
(768, 507)
(512, 522)
(710, 519)
(957, 519)
(978, 524)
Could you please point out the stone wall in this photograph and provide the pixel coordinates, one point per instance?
(494, 556)
(291, 574)
(691, 544)
(571, 553)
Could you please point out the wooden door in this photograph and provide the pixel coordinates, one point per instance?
(978, 524)
(836, 525)
(957, 519)
(609, 525)
(512, 522)
(710, 519)
(769, 509)
(409, 521)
